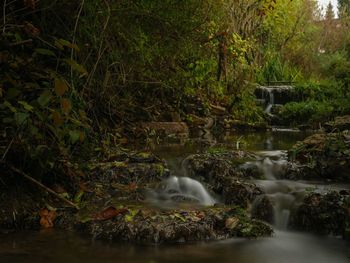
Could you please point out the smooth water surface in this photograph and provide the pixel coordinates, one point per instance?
(284, 247)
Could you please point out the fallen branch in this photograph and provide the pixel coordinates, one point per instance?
(21, 42)
(36, 182)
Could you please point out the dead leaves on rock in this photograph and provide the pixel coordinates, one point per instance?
(47, 218)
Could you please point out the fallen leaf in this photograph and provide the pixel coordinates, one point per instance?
(177, 215)
(131, 215)
(47, 218)
(66, 106)
(132, 186)
(57, 118)
(109, 213)
(60, 86)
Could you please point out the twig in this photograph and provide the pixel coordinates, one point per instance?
(101, 50)
(36, 182)
(74, 38)
(4, 16)
(27, 41)
(7, 149)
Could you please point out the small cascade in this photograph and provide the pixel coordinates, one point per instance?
(270, 102)
(283, 203)
(270, 96)
(270, 164)
(180, 190)
(279, 192)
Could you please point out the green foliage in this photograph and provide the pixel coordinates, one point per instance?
(336, 66)
(42, 117)
(244, 108)
(275, 69)
(303, 112)
(314, 111)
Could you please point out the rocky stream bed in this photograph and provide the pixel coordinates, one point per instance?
(129, 197)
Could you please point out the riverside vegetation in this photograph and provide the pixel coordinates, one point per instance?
(85, 83)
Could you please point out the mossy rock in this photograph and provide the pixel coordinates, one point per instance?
(340, 123)
(173, 226)
(327, 213)
(328, 156)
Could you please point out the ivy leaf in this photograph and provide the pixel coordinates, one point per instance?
(66, 106)
(44, 52)
(44, 98)
(74, 136)
(61, 86)
(26, 106)
(21, 117)
(61, 43)
(9, 105)
(76, 66)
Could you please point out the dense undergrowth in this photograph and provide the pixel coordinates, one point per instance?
(78, 76)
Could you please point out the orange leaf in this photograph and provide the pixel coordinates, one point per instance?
(60, 86)
(57, 118)
(81, 136)
(47, 218)
(31, 30)
(66, 106)
(132, 186)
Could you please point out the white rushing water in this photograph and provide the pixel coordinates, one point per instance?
(271, 164)
(271, 101)
(177, 189)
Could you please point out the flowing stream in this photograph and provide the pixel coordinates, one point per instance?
(284, 247)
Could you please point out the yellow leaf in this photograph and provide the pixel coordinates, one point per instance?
(77, 67)
(60, 86)
(57, 118)
(82, 114)
(82, 136)
(66, 106)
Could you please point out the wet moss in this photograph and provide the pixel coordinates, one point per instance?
(324, 156)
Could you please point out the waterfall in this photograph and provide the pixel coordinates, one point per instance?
(280, 193)
(179, 190)
(270, 101)
(270, 96)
